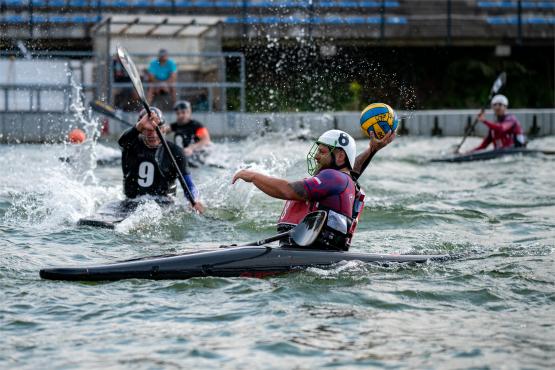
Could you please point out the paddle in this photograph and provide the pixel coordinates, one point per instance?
(109, 111)
(497, 85)
(304, 234)
(133, 74)
(117, 114)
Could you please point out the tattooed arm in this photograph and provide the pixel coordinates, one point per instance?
(274, 187)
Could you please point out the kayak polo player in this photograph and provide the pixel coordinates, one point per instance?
(334, 169)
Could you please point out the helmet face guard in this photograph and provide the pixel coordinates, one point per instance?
(333, 139)
(311, 162)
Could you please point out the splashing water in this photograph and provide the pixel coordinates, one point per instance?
(56, 193)
(83, 156)
(146, 215)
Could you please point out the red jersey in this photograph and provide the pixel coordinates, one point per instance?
(329, 190)
(505, 133)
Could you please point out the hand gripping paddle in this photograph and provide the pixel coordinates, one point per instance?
(133, 74)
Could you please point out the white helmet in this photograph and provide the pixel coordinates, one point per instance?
(500, 99)
(340, 139)
(156, 111)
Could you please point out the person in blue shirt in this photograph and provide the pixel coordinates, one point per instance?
(162, 72)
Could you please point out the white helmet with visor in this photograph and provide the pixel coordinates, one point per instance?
(333, 139)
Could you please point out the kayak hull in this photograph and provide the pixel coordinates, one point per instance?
(111, 214)
(256, 261)
(490, 154)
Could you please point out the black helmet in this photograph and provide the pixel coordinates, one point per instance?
(182, 105)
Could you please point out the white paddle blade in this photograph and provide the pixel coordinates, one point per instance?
(499, 83)
(131, 70)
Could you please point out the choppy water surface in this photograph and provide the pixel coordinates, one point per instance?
(492, 308)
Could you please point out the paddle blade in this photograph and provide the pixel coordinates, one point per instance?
(132, 72)
(499, 82)
(103, 108)
(306, 232)
(108, 110)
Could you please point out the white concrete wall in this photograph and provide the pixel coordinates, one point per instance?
(38, 127)
(449, 122)
(33, 72)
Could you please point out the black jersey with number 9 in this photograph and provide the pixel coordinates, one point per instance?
(148, 170)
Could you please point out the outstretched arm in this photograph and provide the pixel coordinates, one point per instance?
(273, 186)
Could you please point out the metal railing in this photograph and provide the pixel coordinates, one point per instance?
(16, 96)
(212, 88)
(59, 96)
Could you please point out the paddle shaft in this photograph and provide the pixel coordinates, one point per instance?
(268, 240)
(131, 70)
(469, 129)
(303, 234)
(180, 177)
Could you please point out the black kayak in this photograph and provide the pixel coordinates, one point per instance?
(491, 154)
(111, 214)
(246, 261)
(99, 162)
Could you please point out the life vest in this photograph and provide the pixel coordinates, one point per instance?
(513, 137)
(339, 229)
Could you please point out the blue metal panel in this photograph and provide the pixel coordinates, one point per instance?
(16, 3)
(57, 3)
(78, 3)
(16, 19)
(162, 3)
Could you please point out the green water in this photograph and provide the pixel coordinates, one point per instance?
(491, 308)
